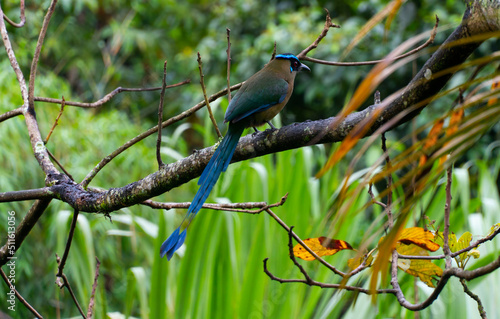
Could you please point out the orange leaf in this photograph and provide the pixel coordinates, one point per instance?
(455, 119)
(376, 19)
(420, 237)
(322, 246)
(354, 263)
(494, 86)
(392, 14)
(430, 141)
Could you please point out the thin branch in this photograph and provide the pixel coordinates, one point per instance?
(388, 210)
(11, 114)
(60, 165)
(372, 196)
(18, 295)
(27, 194)
(21, 16)
(207, 103)
(308, 279)
(229, 207)
(152, 130)
(29, 116)
(446, 231)
(273, 55)
(325, 285)
(62, 262)
(94, 287)
(65, 283)
(228, 51)
(399, 57)
(480, 307)
(399, 293)
(108, 96)
(314, 45)
(56, 121)
(36, 56)
(160, 116)
(24, 228)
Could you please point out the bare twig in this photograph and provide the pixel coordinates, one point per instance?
(325, 285)
(27, 194)
(230, 207)
(29, 116)
(308, 279)
(446, 230)
(18, 295)
(11, 114)
(12, 58)
(314, 45)
(480, 307)
(21, 16)
(24, 228)
(56, 121)
(61, 262)
(65, 283)
(388, 210)
(274, 52)
(160, 116)
(399, 57)
(60, 165)
(108, 96)
(36, 57)
(207, 102)
(94, 287)
(228, 51)
(372, 196)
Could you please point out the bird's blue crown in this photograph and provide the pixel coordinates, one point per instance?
(295, 63)
(287, 56)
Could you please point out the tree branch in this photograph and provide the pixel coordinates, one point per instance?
(21, 16)
(108, 96)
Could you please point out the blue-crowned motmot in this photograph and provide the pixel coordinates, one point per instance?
(258, 100)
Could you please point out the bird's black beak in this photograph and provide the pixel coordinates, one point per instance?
(304, 67)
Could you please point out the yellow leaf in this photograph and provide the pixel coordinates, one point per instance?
(322, 246)
(452, 240)
(354, 263)
(493, 229)
(420, 237)
(462, 243)
(474, 253)
(425, 270)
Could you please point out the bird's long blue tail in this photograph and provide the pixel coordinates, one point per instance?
(218, 163)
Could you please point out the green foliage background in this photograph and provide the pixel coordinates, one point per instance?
(95, 46)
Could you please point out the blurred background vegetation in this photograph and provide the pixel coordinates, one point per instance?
(93, 47)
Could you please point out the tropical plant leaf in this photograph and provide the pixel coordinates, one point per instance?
(322, 246)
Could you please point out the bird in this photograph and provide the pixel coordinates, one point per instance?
(259, 99)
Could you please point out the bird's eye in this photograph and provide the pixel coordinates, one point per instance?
(295, 64)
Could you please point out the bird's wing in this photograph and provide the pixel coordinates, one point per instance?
(256, 95)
